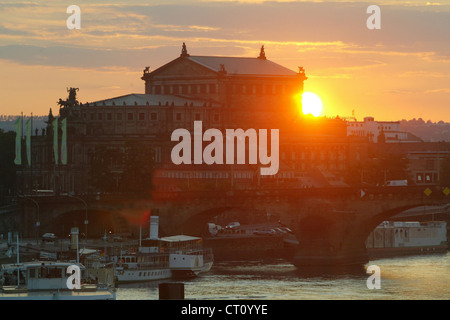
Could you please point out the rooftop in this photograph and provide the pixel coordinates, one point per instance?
(147, 99)
(179, 238)
(242, 65)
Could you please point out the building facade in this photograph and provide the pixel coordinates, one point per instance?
(375, 131)
(102, 137)
(426, 166)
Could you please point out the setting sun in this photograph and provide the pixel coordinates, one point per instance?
(311, 104)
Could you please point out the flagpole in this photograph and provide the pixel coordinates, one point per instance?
(23, 167)
(140, 235)
(31, 154)
(18, 260)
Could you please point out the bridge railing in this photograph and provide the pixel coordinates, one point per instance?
(365, 193)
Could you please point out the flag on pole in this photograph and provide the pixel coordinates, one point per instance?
(55, 139)
(64, 141)
(28, 140)
(18, 127)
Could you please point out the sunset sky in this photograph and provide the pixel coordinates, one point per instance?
(399, 72)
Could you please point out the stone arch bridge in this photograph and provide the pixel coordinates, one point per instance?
(331, 224)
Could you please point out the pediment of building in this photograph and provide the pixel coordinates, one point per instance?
(181, 68)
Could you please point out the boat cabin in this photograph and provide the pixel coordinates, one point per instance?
(37, 275)
(179, 243)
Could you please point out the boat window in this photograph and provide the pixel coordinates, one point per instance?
(32, 273)
(43, 271)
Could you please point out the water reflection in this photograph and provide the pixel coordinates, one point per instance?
(416, 277)
(332, 272)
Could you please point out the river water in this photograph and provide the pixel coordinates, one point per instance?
(403, 278)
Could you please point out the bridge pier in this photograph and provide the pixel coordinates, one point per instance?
(329, 238)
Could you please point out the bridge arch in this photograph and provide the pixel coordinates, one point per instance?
(339, 238)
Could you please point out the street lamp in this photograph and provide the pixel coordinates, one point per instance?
(86, 222)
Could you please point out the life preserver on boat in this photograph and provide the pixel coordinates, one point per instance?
(161, 250)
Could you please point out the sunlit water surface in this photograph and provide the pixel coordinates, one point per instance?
(405, 278)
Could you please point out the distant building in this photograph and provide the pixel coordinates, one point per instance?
(424, 159)
(425, 166)
(388, 131)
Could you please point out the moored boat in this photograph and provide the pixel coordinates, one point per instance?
(44, 280)
(163, 258)
(262, 241)
(407, 238)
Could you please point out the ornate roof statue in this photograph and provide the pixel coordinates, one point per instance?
(71, 100)
(50, 117)
(301, 73)
(222, 69)
(262, 54)
(184, 51)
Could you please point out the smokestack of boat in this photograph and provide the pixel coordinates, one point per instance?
(154, 222)
(74, 238)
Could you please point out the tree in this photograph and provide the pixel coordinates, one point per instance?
(7, 167)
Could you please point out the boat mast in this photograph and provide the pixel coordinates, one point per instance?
(18, 267)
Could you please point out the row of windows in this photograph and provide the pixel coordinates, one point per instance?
(119, 116)
(142, 116)
(206, 175)
(153, 273)
(212, 89)
(183, 89)
(426, 177)
(361, 125)
(310, 155)
(220, 175)
(46, 272)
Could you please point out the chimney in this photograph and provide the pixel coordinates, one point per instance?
(154, 222)
(74, 238)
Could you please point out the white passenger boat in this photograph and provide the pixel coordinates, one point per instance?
(407, 238)
(44, 280)
(163, 258)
